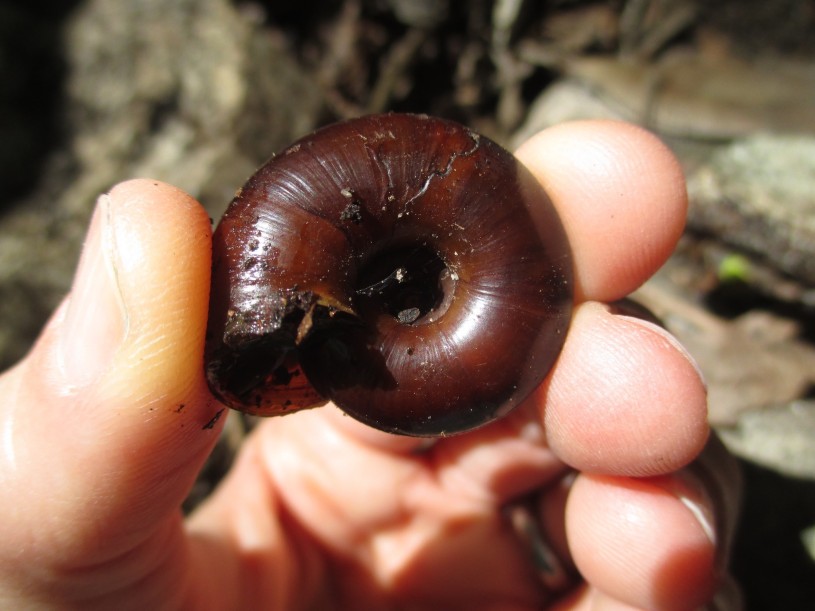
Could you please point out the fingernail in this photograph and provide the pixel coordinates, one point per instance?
(691, 491)
(95, 320)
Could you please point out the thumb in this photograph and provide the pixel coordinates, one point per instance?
(108, 420)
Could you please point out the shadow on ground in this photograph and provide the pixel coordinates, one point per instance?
(769, 558)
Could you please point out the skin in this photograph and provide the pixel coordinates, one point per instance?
(107, 421)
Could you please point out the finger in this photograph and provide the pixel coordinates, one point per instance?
(656, 543)
(109, 413)
(638, 543)
(625, 398)
(728, 598)
(621, 196)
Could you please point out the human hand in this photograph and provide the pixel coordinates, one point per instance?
(108, 420)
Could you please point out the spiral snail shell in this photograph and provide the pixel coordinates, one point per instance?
(402, 266)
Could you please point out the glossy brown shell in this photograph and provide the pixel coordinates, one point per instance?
(403, 266)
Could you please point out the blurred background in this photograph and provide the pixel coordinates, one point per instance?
(200, 92)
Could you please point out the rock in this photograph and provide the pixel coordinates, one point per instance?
(757, 195)
(190, 92)
(420, 13)
(808, 539)
(683, 96)
(565, 100)
(780, 438)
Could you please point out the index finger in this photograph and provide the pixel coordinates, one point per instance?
(621, 195)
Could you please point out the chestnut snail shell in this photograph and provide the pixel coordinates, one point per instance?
(403, 266)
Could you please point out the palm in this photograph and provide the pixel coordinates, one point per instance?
(388, 522)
